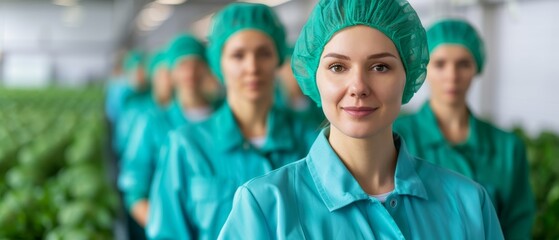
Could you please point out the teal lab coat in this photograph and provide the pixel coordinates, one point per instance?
(318, 198)
(142, 151)
(203, 165)
(136, 105)
(494, 158)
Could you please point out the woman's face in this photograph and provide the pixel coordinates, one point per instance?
(450, 73)
(188, 74)
(361, 80)
(138, 78)
(248, 64)
(162, 84)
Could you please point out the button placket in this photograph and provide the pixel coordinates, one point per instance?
(393, 203)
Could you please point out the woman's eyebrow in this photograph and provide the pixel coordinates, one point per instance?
(373, 56)
(381, 55)
(335, 55)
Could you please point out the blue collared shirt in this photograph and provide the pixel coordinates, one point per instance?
(139, 159)
(318, 198)
(494, 158)
(135, 105)
(205, 163)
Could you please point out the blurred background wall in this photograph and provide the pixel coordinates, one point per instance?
(76, 42)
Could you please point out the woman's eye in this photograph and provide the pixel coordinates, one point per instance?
(439, 64)
(380, 68)
(464, 64)
(238, 56)
(264, 54)
(336, 68)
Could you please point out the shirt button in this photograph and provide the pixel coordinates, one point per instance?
(393, 203)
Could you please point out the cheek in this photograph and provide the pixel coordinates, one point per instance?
(229, 69)
(433, 81)
(176, 75)
(269, 67)
(468, 76)
(230, 75)
(167, 82)
(391, 90)
(330, 93)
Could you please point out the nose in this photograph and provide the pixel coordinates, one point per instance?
(251, 63)
(452, 73)
(359, 87)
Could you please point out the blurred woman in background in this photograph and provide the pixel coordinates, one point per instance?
(139, 99)
(181, 67)
(360, 60)
(204, 163)
(447, 133)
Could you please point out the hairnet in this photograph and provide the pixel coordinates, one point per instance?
(455, 31)
(133, 60)
(183, 46)
(242, 16)
(158, 60)
(395, 18)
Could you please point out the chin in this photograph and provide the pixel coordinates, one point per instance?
(453, 101)
(359, 131)
(254, 97)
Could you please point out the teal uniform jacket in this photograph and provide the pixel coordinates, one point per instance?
(205, 163)
(136, 105)
(142, 151)
(116, 93)
(318, 198)
(493, 158)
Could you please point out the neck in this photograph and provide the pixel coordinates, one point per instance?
(452, 120)
(372, 161)
(295, 98)
(162, 101)
(251, 116)
(191, 99)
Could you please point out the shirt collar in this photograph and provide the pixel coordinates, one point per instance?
(338, 188)
(278, 136)
(429, 126)
(176, 115)
(432, 133)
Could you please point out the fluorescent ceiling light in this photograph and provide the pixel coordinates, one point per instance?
(72, 16)
(158, 12)
(171, 2)
(271, 3)
(153, 15)
(200, 28)
(65, 3)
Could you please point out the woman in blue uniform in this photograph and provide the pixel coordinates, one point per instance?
(182, 65)
(204, 163)
(361, 59)
(138, 99)
(445, 131)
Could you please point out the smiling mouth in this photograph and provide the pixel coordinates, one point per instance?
(359, 112)
(452, 91)
(254, 85)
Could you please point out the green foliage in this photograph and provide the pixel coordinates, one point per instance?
(55, 185)
(543, 157)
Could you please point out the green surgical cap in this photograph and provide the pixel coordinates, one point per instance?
(133, 60)
(395, 18)
(184, 46)
(158, 60)
(243, 16)
(289, 50)
(455, 31)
